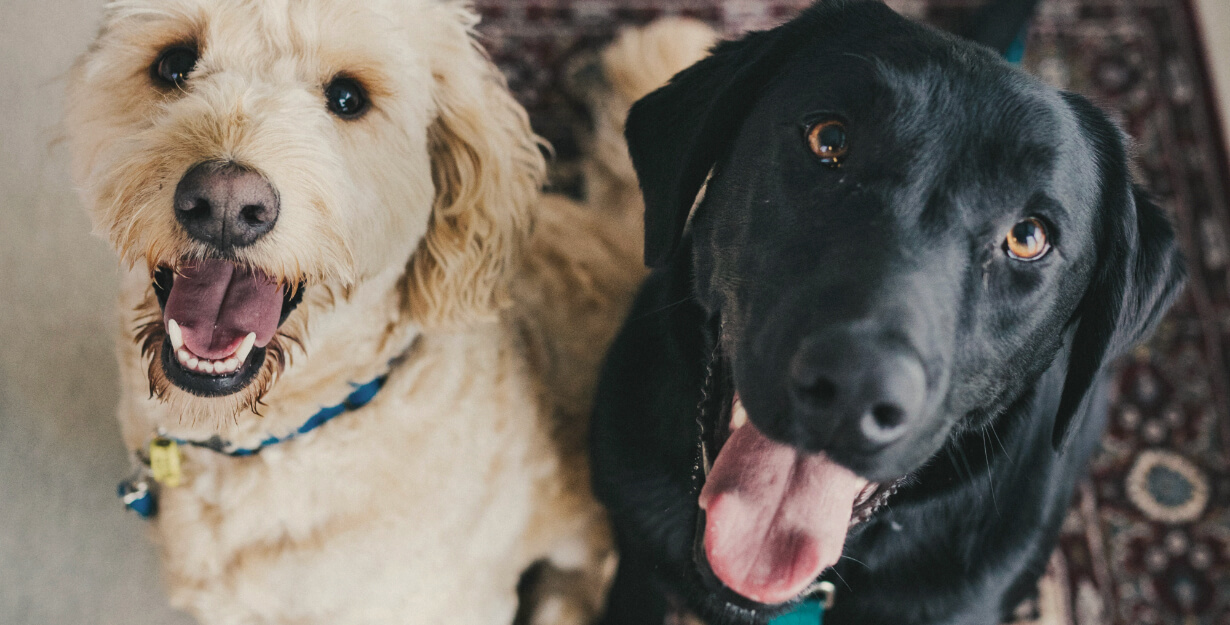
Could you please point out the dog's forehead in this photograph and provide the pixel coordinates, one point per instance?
(960, 98)
(313, 33)
(956, 118)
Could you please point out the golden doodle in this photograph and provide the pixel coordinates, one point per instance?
(357, 344)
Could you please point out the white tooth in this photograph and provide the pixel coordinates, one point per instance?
(245, 347)
(738, 416)
(183, 355)
(193, 362)
(207, 366)
(232, 364)
(175, 334)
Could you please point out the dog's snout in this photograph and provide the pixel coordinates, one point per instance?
(855, 392)
(225, 204)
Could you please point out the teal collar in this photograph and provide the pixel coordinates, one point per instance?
(810, 612)
(360, 397)
(139, 491)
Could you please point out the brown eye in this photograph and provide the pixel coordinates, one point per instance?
(827, 139)
(173, 66)
(346, 98)
(1027, 240)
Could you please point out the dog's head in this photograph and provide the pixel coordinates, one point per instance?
(898, 233)
(258, 155)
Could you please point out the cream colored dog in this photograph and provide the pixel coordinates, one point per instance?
(314, 196)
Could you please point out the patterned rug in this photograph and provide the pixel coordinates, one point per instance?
(1147, 540)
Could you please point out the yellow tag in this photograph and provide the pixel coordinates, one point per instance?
(164, 461)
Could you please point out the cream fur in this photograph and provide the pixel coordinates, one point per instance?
(410, 228)
(638, 61)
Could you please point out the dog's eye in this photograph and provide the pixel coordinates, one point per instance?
(827, 139)
(173, 66)
(346, 98)
(1027, 240)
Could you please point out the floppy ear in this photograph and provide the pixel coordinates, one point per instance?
(1139, 269)
(487, 170)
(678, 133)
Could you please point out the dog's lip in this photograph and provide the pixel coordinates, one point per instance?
(203, 383)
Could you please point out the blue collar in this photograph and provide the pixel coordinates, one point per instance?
(360, 397)
(139, 491)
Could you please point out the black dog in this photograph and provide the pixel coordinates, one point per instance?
(891, 311)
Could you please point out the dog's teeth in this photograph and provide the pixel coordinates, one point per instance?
(232, 363)
(183, 355)
(193, 362)
(207, 366)
(175, 334)
(245, 347)
(738, 416)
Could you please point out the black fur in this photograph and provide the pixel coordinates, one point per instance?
(897, 251)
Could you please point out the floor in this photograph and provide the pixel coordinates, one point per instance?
(68, 552)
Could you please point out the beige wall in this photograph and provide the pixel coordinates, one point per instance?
(1214, 18)
(69, 554)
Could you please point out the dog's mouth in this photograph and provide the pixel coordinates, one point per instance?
(219, 317)
(772, 518)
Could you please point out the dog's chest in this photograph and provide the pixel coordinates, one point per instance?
(404, 505)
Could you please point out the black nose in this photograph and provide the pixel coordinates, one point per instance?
(225, 204)
(854, 390)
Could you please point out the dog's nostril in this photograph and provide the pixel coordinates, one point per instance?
(822, 392)
(199, 209)
(887, 416)
(253, 214)
(883, 424)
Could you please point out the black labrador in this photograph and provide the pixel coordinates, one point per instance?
(891, 269)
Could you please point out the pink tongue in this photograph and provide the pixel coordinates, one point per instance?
(774, 517)
(217, 304)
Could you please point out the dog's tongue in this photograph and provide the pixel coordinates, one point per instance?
(774, 517)
(217, 304)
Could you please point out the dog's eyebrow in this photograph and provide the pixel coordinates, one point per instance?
(1041, 203)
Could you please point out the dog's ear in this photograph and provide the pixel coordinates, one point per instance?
(678, 133)
(488, 170)
(1139, 269)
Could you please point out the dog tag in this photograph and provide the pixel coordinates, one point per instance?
(164, 461)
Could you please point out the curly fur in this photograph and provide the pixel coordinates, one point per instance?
(426, 252)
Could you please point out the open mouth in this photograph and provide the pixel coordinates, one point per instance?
(219, 318)
(772, 518)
